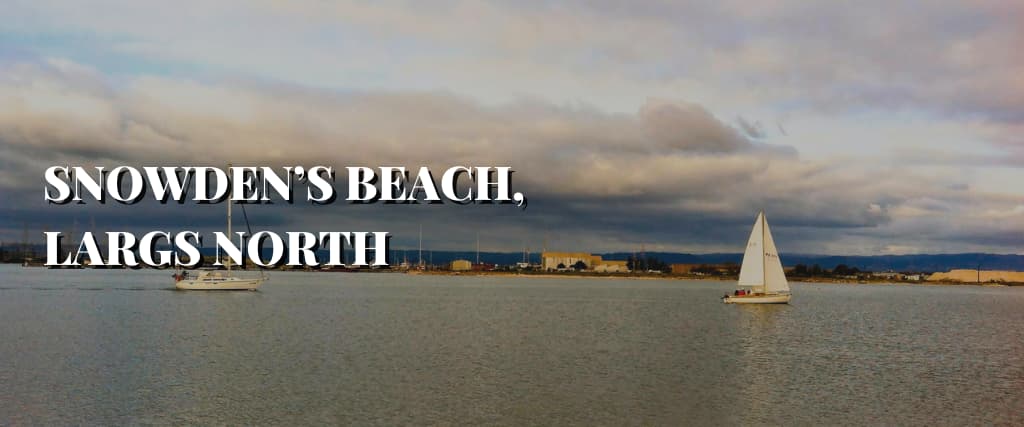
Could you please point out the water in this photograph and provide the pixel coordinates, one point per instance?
(117, 347)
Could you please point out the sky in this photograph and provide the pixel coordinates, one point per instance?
(861, 128)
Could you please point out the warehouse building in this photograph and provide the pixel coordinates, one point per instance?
(553, 261)
(610, 266)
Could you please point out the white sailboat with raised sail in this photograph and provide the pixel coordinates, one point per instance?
(216, 280)
(762, 280)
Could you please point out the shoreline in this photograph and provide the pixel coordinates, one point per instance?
(605, 276)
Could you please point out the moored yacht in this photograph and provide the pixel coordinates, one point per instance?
(217, 280)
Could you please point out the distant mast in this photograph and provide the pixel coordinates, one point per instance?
(229, 222)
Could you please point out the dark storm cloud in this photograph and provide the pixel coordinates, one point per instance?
(671, 174)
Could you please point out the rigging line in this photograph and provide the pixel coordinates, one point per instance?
(249, 228)
(263, 273)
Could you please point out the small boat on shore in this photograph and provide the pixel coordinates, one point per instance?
(762, 280)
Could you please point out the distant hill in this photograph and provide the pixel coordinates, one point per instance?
(917, 263)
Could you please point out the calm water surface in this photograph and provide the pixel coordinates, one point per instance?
(117, 347)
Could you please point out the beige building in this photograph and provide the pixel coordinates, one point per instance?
(609, 266)
(555, 260)
(552, 260)
(684, 268)
(461, 265)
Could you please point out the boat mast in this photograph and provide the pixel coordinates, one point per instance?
(764, 258)
(229, 219)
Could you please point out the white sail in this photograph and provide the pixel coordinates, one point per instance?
(762, 268)
(774, 276)
(752, 269)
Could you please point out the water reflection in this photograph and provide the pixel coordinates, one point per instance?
(760, 360)
(395, 349)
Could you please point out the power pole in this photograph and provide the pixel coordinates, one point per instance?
(544, 249)
(74, 232)
(643, 254)
(24, 239)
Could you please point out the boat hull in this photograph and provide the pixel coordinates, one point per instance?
(757, 299)
(231, 284)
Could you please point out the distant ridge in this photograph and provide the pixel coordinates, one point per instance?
(916, 263)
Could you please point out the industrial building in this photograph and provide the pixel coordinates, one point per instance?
(611, 266)
(684, 268)
(484, 266)
(551, 261)
(461, 265)
(562, 260)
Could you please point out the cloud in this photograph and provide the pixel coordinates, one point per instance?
(689, 127)
(671, 174)
(943, 56)
(946, 60)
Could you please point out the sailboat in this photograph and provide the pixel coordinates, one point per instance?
(762, 280)
(215, 280)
